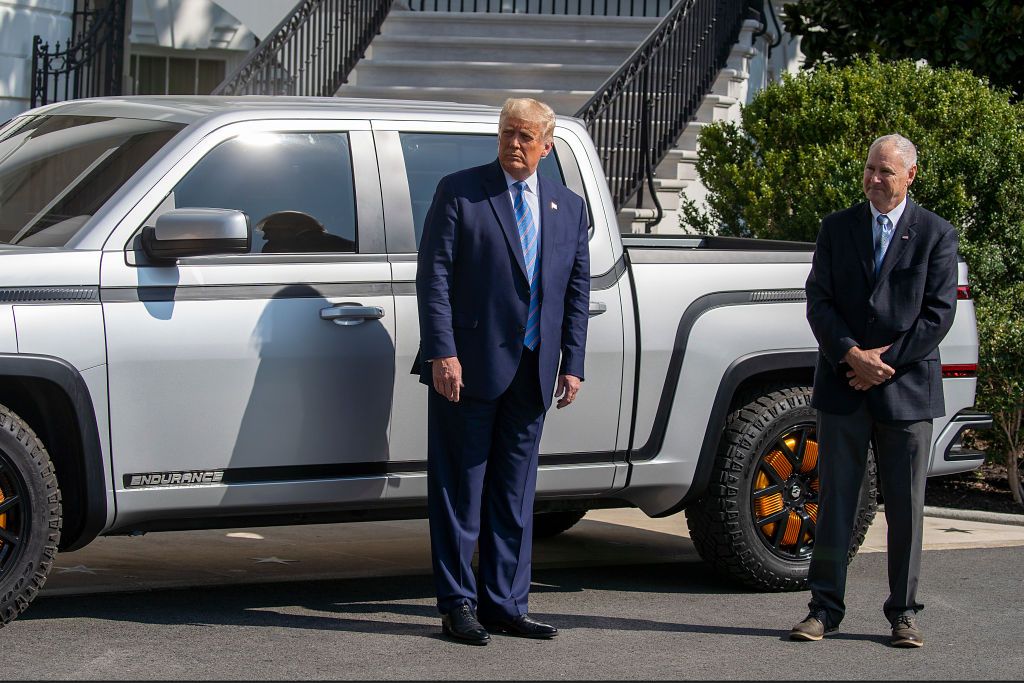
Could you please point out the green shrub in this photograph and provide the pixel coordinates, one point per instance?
(799, 155)
(1001, 385)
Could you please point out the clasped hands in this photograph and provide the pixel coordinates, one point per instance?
(447, 376)
(867, 369)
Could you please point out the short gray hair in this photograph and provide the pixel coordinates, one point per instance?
(528, 109)
(906, 148)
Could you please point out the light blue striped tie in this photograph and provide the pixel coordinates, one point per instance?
(884, 236)
(528, 239)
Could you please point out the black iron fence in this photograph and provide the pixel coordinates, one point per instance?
(638, 114)
(311, 51)
(621, 8)
(91, 62)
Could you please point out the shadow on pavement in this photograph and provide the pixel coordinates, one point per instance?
(363, 605)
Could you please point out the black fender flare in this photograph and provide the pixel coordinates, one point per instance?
(739, 371)
(67, 378)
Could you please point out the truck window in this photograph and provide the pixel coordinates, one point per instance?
(431, 156)
(296, 188)
(56, 171)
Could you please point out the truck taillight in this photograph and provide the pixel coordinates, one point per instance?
(959, 370)
(963, 292)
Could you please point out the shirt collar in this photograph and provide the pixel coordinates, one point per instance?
(893, 215)
(531, 182)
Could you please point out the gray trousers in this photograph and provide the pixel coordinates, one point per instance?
(901, 450)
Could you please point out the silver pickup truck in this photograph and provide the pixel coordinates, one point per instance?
(208, 319)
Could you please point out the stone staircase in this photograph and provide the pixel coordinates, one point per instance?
(486, 57)
(676, 176)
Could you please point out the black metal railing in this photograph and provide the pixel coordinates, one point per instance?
(620, 8)
(90, 64)
(638, 114)
(311, 51)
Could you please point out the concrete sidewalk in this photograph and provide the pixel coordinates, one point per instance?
(368, 549)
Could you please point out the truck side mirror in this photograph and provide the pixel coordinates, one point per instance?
(197, 232)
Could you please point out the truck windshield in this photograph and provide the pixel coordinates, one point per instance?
(56, 171)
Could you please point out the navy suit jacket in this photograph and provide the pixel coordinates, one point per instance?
(910, 305)
(472, 289)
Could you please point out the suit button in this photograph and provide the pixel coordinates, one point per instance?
(522, 328)
(871, 320)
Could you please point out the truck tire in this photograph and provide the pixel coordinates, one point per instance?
(548, 524)
(30, 515)
(756, 521)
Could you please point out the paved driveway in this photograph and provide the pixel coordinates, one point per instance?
(633, 601)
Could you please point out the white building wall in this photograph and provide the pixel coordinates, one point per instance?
(188, 25)
(227, 29)
(260, 17)
(20, 20)
(785, 57)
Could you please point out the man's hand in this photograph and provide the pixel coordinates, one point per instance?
(566, 389)
(447, 374)
(867, 369)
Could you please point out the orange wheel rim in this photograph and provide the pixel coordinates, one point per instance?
(784, 493)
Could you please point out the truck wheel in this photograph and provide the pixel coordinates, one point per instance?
(30, 515)
(548, 524)
(756, 521)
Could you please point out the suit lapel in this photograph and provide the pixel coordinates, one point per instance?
(501, 203)
(548, 223)
(864, 241)
(902, 235)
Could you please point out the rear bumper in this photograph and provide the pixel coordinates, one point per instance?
(954, 456)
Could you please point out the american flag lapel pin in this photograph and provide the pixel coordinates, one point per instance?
(554, 207)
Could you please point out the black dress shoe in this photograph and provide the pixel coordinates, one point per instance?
(523, 626)
(462, 625)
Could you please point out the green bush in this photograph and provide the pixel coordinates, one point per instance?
(982, 35)
(799, 155)
(1001, 385)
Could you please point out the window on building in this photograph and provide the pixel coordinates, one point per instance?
(163, 75)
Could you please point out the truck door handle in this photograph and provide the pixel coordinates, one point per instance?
(351, 314)
(597, 308)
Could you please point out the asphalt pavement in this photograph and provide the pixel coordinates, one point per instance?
(629, 593)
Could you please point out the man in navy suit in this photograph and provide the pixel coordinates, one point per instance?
(503, 287)
(881, 295)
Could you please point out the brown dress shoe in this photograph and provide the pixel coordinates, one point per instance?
(905, 632)
(811, 628)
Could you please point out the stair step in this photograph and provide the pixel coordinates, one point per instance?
(611, 53)
(669, 184)
(566, 102)
(508, 25)
(455, 74)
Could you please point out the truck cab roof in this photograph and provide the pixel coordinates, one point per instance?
(192, 109)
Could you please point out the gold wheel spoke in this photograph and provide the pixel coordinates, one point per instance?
(791, 451)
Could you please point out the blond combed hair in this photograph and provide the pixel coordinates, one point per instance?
(531, 110)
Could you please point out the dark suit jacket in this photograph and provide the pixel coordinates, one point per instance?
(472, 289)
(910, 306)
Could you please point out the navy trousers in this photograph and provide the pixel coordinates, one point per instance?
(481, 483)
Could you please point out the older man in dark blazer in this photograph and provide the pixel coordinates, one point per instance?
(880, 297)
(503, 287)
